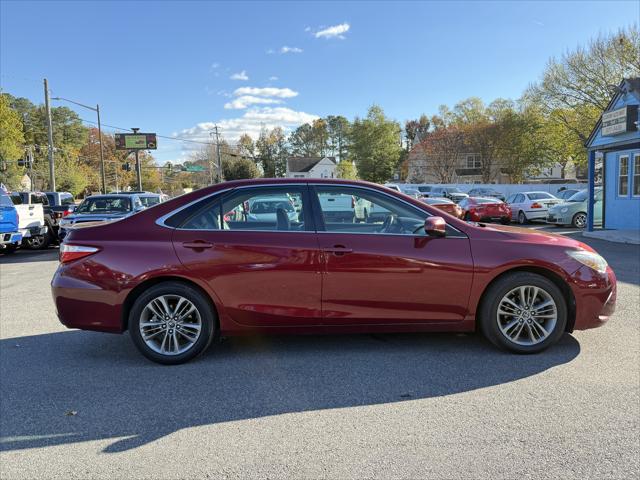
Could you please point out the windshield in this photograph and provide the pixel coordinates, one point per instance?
(150, 201)
(581, 196)
(270, 206)
(105, 205)
(540, 196)
(453, 190)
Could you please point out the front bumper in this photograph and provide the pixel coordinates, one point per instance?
(10, 238)
(595, 296)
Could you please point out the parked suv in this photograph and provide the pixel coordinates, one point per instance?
(10, 235)
(61, 204)
(35, 217)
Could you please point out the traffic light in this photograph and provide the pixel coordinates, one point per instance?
(126, 167)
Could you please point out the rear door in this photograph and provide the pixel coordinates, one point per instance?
(387, 271)
(264, 269)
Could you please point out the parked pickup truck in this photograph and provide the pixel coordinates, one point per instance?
(34, 221)
(10, 235)
(61, 204)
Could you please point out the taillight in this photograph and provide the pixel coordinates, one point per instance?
(69, 253)
(536, 205)
(67, 212)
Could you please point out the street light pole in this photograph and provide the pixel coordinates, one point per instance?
(138, 169)
(52, 169)
(104, 177)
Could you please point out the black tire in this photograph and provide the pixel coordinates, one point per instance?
(9, 248)
(491, 299)
(579, 220)
(37, 242)
(522, 218)
(209, 327)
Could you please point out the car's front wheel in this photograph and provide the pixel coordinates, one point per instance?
(579, 220)
(172, 323)
(523, 312)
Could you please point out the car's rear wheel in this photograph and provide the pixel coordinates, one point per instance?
(172, 323)
(37, 242)
(522, 218)
(523, 312)
(579, 220)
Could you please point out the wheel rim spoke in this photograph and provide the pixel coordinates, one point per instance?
(527, 315)
(164, 326)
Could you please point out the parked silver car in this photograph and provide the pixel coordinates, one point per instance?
(529, 206)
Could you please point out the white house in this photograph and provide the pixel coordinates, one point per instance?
(311, 167)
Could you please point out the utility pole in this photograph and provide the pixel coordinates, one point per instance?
(138, 169)
(102, 167)
(219, 177)
(52, 169)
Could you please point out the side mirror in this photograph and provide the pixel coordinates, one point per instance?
(435, 226)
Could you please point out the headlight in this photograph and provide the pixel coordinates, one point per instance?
(590, 259)
(564, 210)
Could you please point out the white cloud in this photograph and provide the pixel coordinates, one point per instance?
(270, 51)
(266, 92)
(251, 122)
(214, 65)
(335, 31)
(286, 49)
(240, 76)
(247, 100)
(273, 78)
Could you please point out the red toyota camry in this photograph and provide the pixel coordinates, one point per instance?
(184, 272)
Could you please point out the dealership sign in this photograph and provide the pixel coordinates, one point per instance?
(619, 121)
(136, 141)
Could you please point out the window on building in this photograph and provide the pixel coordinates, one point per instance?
(636, 175)
(623, 176)
(474, 161)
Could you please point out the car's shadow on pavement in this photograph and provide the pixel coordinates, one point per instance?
(28, 256)
(74, 386)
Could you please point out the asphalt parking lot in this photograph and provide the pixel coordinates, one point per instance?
(87, 405)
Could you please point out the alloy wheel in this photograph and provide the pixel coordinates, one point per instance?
(527, 315)
(170, 324)
(580, 220)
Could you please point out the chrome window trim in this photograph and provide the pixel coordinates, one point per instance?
(160, 221)
(464, 235)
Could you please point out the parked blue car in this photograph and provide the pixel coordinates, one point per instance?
(10, 236)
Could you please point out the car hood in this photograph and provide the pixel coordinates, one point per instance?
(530, 236)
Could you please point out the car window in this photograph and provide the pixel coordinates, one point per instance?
(16, 198)
(424, 189)
(260, 208)
(511, 198)
(105, 205)
(357, 210)
(5, 201)
(540, 196)
(519, 198)
(66, 199)
(150, 201)
(51, 198)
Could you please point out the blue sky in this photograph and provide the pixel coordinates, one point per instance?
(167, 67)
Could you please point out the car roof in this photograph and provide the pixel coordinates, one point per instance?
(108, 195)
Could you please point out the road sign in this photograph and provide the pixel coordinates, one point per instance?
(193, 168)
(136, 141)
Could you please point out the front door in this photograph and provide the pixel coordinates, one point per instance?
(387, 270)
(258, 252)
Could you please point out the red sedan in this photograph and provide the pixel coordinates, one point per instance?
(179, 274)
(485, 209)
(445, 205)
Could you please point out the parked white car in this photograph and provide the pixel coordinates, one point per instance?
(265, 209)
(530, 206)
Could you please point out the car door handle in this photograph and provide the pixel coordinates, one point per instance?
(197, 245)
(337, 250)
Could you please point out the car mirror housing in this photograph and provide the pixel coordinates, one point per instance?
(435, 226)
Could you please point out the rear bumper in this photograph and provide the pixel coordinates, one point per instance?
(595, 296)
(33, 231)
(85, 305)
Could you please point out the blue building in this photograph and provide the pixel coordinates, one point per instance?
(614, 161)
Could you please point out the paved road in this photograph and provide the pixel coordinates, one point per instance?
(86, 405)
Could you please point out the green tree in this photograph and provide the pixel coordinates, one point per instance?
(347, 170)
(272, 152)
(338, 131)
(375, 145)
(239, 168)
(575, 88)
(11, 144)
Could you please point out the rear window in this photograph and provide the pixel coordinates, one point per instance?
(424, 189)
(105, 205)
(66, 199)
(486, 200)
(540, 196)
(150, 201)
(5, 201)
